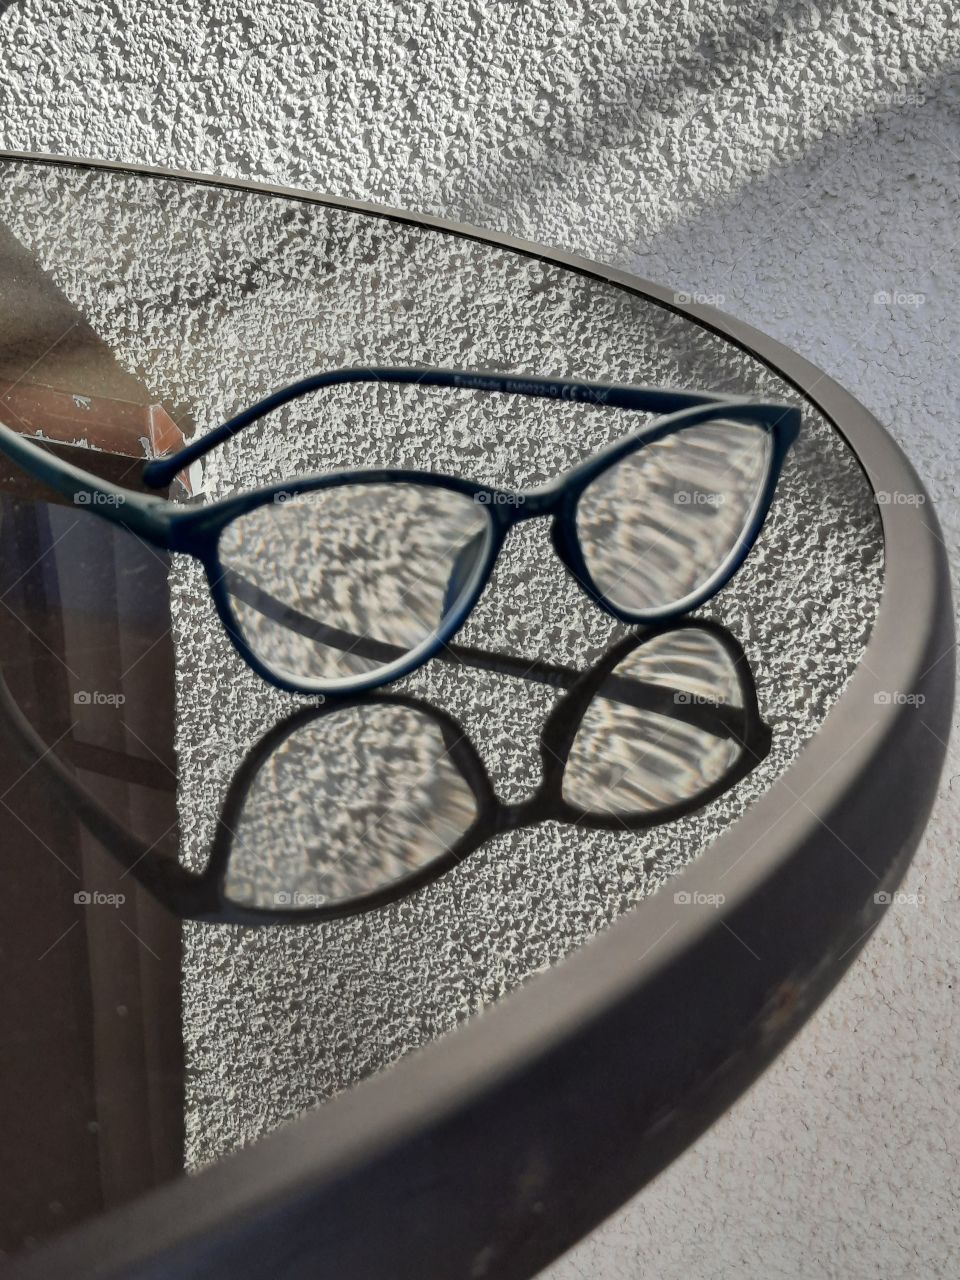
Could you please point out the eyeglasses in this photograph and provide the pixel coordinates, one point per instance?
(341, 583)
(344, 808)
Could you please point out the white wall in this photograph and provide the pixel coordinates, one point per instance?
(792, 161)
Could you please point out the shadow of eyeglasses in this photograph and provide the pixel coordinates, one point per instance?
(346, 807)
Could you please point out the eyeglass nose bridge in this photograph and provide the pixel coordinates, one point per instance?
(544, 500)
(555, 501)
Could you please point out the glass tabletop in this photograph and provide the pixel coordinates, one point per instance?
(138, 310)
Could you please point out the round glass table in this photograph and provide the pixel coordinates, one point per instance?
(465, 1080)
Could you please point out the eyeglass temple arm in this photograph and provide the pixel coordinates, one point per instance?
(161, 471)
(719, 719)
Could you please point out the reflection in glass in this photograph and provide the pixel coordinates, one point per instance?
(658, 526)
(344, 807)
(382, 564)
(347, 805)
(345, 802)
(629, 759)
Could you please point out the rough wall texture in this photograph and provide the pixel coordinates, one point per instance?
(797, 164)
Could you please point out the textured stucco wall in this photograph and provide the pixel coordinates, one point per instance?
(791, 161)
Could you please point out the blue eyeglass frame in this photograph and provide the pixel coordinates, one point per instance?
(196, 531)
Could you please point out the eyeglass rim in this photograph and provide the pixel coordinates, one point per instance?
(200, 531)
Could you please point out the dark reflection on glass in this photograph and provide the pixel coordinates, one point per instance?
(350, 805)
